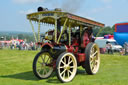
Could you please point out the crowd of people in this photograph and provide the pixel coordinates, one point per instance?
(122, 51)
(18, 45)
(32, 46)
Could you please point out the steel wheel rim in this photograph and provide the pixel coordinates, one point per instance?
(43, 67)
(94, 59)
(67, 67)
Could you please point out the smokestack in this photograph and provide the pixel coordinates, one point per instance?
(42, 9)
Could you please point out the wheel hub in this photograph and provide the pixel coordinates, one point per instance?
(67, 67)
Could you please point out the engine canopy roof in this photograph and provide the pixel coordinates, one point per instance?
(49, 17)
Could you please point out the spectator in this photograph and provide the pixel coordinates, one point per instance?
(122, 51)
(109, 48)
(126, 48)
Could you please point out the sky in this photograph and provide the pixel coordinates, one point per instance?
(13, 12)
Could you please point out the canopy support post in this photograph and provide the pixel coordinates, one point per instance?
(64, 26)
(55, 30)
(39, 31)
(81, 28)
(33, 30)
(69, 34)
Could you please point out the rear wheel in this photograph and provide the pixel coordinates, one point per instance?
(66, 67)
(92, 61)
(42, 65)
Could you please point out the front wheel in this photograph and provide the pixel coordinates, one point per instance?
(42, 65)
(92, 61)
(66, 67)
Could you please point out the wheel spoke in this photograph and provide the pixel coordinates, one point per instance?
(39, 70)
(63, 72)
(43, 73)
(45, 70)
(69, 59)
(92, 67)
(94, 54)
(47, 60)
(71, 66)
(38, 66)
(68, 73)
(64, 75)
(42, 58)
(93, 50)
(96, 62)
(92, 64)
(91, 59)
(70, 62)
(61, 67)
(63, 62)
(40, 62)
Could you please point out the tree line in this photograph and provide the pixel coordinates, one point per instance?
(100, 32)
(17, 35)
(97, 32)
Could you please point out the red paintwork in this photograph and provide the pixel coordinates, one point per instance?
(74, 48)
(119, 24)
(47, 44)
(70, 48)
(75, 42)
(54, 65)
(85, 40)
(81, 57)
(75, 45)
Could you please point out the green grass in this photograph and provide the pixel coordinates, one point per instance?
(16, 69)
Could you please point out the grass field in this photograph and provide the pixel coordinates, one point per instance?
(16, 69)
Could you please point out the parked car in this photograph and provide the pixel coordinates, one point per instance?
(103, 42)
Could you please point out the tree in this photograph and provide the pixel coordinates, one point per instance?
(103, 31)
(20, 36)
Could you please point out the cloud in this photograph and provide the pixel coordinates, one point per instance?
(26, 1)
(27, 12)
